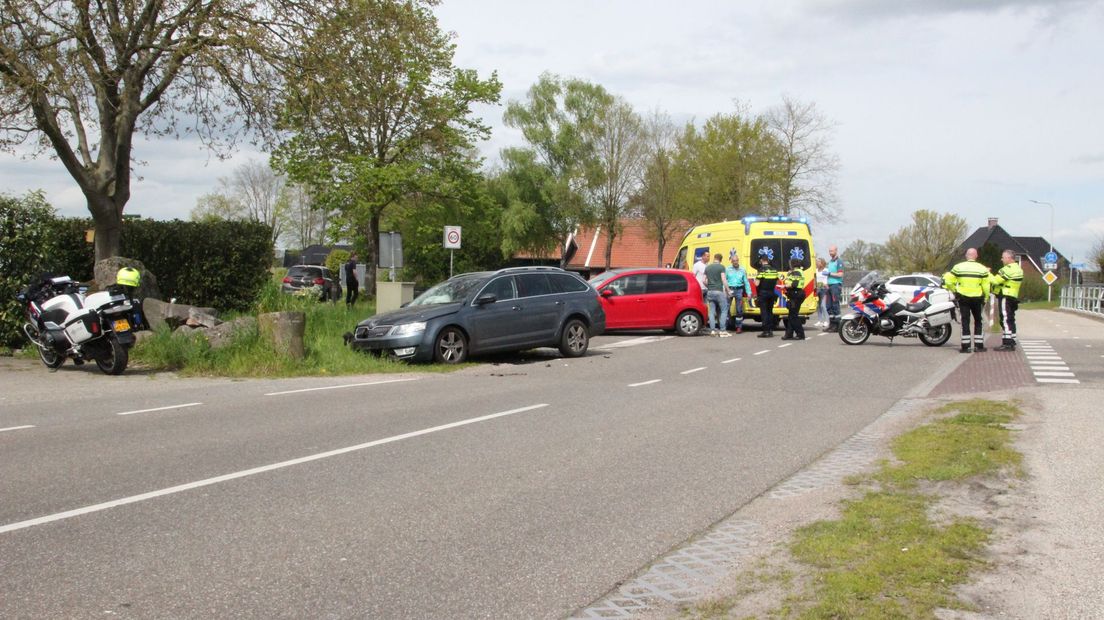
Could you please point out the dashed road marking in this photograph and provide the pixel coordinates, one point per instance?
(1046, 364)
(16, 428)
(783, 346)
(693, 370)
(736, 359)
(645, 383)
(340, 387)
(763, 351)
(160, 409)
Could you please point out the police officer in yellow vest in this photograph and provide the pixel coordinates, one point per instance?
(765, 280)
(1006, 286)
(795, 295)
(969, 281)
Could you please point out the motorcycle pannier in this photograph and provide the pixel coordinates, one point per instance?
(82, 326)
(941, 314)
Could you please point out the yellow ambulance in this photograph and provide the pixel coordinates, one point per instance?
(777, 237)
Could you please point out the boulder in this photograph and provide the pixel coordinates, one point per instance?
(285, 331)
(105, 270)
(223, 334)
(160, 313)
(202, 317)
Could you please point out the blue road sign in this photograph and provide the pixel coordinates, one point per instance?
(1050, 257)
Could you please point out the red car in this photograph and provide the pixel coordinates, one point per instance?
(669, 299)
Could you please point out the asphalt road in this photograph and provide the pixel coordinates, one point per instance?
(526, 488)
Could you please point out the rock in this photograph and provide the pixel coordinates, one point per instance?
(285, 330)
(223, 334)
(160, 313)
(205, 317)
(105, 270)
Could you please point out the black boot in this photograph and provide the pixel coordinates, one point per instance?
(965, 349)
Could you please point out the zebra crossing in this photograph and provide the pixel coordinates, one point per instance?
(1046, 364)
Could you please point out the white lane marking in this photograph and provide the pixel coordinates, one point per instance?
(159, 409)
(693, 370)
(764, 351)
(16, 428)
(783, 346)
(11, 527)
(1043, 357)
(340, 387)
(736, 359)
(1055, 367)
(1054, 374)
(632, 342)
(645, 383)
(823, 334)
(1046, 380)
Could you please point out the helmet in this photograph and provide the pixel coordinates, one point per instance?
(128, 276)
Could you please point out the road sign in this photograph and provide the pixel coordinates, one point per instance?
(1050, 257)
(1050, 266)
(452, 237)
(1049, 278)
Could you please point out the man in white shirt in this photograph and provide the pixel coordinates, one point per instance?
(699, 269)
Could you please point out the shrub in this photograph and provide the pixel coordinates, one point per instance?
(26, 247)
(336, 259)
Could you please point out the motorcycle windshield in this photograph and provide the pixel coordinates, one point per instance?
(869, 280)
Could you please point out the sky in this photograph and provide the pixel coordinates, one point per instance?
(973, 107)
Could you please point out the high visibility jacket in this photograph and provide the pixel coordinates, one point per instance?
(1007, 281)
(795, 282)
(765, 280)
(970, 279)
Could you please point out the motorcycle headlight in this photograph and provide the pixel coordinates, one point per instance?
(408, 329)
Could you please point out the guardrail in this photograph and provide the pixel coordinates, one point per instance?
(1085, 298)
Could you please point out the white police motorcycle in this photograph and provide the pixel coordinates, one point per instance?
(876, 310)
(63, 322)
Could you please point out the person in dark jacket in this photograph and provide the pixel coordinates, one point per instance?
(795, 296)
(352, 285)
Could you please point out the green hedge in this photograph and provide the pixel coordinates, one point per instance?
(220, 264)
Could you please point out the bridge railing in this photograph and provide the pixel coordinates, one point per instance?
(1085, 298)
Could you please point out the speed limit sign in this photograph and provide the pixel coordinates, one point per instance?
(452, 237)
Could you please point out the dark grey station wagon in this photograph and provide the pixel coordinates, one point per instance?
(492, 311)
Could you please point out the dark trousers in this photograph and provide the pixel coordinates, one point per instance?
(793, 320)
(1007, 307)
(971, 307)
(352, 290)
(766, 311)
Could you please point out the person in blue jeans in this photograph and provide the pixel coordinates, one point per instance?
(716, 297)
(822, 292)
(738, 286)
(835, 288)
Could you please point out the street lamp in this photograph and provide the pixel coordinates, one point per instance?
(1051, 239)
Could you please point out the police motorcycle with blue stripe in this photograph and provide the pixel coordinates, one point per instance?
(879, 311)
(64, 321)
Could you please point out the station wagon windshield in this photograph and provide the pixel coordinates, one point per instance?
(448, 292)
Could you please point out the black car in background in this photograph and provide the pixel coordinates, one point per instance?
(302, 277)
(491, 311)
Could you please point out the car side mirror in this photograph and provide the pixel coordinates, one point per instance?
(483, 300)
(606, 292)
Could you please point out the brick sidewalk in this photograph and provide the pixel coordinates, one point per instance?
(987, 372)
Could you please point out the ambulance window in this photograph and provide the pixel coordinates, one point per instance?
(680, 260)
(771, 248)
(796, 248)
(699, 251)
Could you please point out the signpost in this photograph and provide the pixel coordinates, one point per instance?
(1050, 262)
(452, 243)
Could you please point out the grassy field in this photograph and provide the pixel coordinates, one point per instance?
(886, 556)
(249, 355)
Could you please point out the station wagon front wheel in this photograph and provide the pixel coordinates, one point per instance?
(575, 339)
(450, 347)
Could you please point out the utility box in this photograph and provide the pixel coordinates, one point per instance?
(392, 295)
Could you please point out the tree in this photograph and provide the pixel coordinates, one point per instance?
(927, 244)
(303, 222)
(619, 151)
(80, 79)
(658, 197)
(378, 114)
(217, 206)
(549, 181)
(807, 166)
(730, 167)
(1097, 254)
(252, 192)
(864, 256)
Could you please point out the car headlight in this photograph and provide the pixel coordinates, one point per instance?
(408, 329)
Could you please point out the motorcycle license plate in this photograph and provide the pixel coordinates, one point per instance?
(122, 325)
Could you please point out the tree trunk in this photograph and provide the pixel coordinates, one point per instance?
(371, 259)
(108, 222)
(662, 244)
(610, 236)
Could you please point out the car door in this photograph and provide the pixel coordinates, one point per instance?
(625, 305)
(540, 308)
(496, 325)
(666, 296)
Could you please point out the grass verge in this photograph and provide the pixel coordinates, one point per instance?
(885, 556)
(250, 355)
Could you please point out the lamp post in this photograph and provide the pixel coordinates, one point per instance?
(1051, 238)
